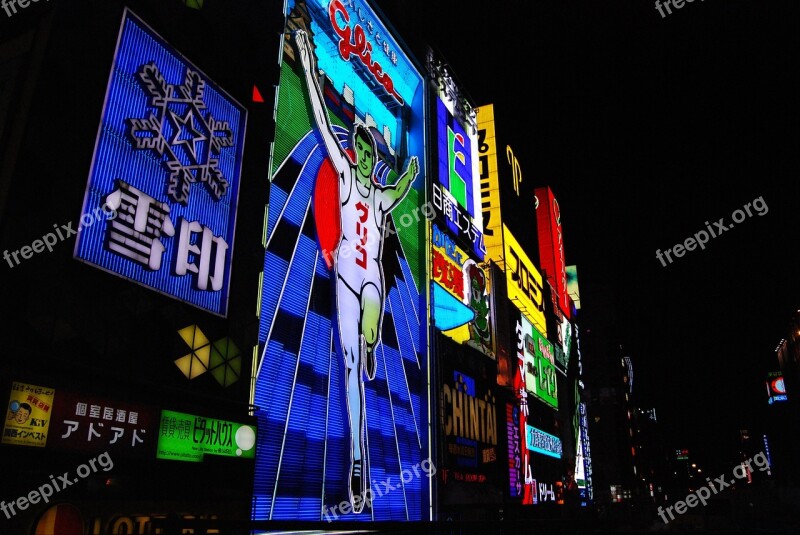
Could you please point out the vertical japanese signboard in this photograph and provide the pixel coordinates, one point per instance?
(461, 297)
(167, 162)
(342, 374)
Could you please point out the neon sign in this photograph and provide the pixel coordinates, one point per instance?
(355, 42)
(342, 326)
(541, 442)
(551, 245)
(168, 159)
(524, 282)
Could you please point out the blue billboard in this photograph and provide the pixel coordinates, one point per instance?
(341, 383)
(167, 162)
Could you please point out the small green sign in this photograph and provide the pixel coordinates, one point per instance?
(187, 437)
(546, 387)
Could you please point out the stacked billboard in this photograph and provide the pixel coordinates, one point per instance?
(341, 385)
(461, 300)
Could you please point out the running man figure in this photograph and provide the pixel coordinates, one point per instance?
(364, 207)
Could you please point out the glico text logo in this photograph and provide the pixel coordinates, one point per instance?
(355, 42)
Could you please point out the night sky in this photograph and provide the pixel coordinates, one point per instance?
(645, 128)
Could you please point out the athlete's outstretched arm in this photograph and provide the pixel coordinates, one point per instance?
(338, 157)
(397, 191)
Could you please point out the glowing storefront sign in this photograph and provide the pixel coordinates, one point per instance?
(187, 437)
(342, 320)
(524, 282)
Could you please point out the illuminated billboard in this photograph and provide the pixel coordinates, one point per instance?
(490, 183)
(506, 191)
(540, 369)
(456, 192)
(572, 286)
(461, 300)
(89, 423)
(469, 421)
(776, 388)
(27, 421)
(541, 442)
(188, 437)
(166, 165)
(523, 282)
(461, 294)
(551, 246)
(341, 381)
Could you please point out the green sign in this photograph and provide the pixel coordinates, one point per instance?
(186, 437)
(545, 386)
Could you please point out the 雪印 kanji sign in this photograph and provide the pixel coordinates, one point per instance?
(167, 159)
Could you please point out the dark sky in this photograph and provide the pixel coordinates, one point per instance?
(647, 127)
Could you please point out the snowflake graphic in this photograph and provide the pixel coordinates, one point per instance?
(179, 130)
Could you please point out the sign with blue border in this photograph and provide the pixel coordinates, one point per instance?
(168, 161)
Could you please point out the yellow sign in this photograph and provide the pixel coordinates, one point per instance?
(490, 184)
(28, 418)
(524, 282)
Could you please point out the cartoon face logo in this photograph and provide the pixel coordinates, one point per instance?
(19, 412)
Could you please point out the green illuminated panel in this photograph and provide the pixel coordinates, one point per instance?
(187, 437)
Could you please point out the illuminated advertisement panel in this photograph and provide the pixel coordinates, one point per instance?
(776, 388)
(469, 420)
(462, 307)
(540, 369)
(456, 192)
(559, 327)
(490, 183)
(341, 380)
(187, 437)
(524, 282)
(584, 455)
(507, 195)
(551, 246)
(160, 204)
(541, 442)
(88, 423)
(524, 363)
(572, 286)
(515, 466)
(28, 416)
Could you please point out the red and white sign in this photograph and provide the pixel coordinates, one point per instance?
(551, 245)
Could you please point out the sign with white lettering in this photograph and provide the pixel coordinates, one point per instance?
(167, 161)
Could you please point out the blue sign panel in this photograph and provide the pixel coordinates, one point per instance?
(167, 160)
(342, 384)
